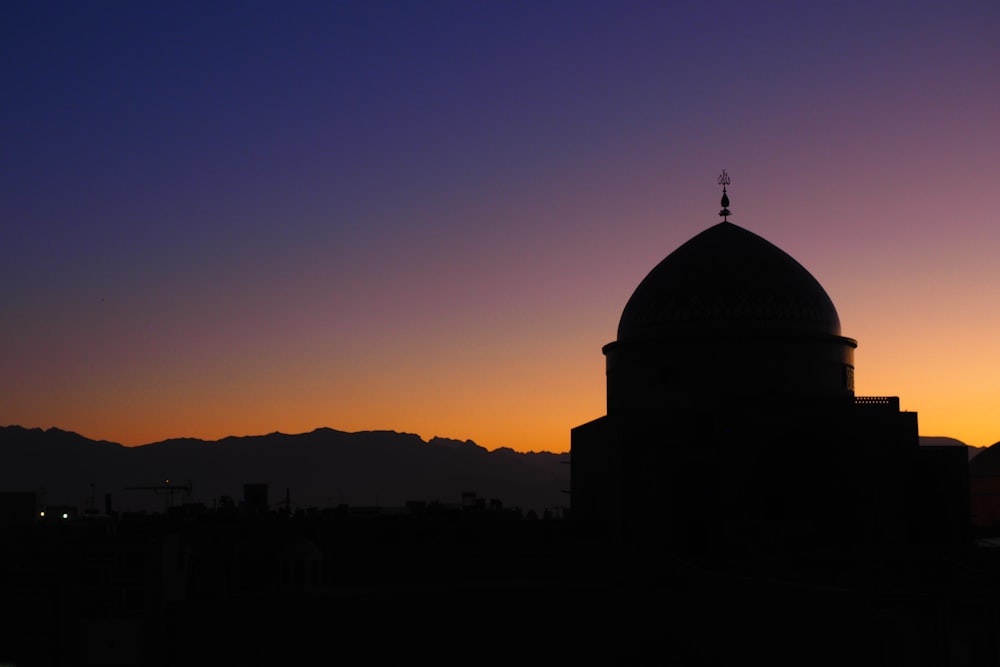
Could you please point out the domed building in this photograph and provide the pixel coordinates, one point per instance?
(732, 421)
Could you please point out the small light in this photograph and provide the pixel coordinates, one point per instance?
(65, 515)
(42, 513)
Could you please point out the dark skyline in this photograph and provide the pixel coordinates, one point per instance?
(320, 470)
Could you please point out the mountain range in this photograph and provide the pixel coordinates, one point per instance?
(322, 468)
(940, 441)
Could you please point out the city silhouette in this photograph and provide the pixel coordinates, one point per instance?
(397, 332)
(738, 503)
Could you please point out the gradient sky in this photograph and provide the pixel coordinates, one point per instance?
(234, 218)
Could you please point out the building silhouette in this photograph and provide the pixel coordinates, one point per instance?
(737, 504)
(732, 422)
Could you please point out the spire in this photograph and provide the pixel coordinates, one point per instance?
(724, 181)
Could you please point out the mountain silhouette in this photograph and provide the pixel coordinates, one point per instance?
(984, 485)
(942, 441)
(322, 468)
(987, 462)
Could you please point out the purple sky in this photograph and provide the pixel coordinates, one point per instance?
(240, 217)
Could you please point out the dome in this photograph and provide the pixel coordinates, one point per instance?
(727, 280)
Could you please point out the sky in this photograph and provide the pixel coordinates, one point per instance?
(235, 218)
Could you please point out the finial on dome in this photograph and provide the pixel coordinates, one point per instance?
(724, 181)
